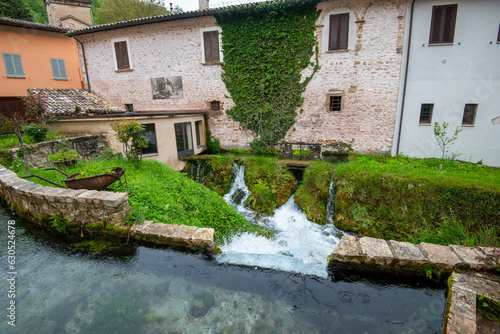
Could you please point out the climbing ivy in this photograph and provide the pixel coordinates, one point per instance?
(266, 48)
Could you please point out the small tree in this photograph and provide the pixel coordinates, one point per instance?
(128, 132)
(443, 140)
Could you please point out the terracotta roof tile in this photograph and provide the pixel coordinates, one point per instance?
(34, 25)
(74, 102)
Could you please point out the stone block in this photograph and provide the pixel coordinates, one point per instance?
(405, 253)
(473, 257)
(463, 303)
(204, 236)
(84, 197)
(115, 199)
(376, 250)
(184, 232)
(69, 195)
(441, 256)
(347, 246)
(478, 285)
(458, 325)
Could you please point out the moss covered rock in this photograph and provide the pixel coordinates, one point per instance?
(312, 194)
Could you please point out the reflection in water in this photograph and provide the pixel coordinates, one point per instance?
(147, 290)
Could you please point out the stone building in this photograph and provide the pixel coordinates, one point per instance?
(159, 64)
(71, 14)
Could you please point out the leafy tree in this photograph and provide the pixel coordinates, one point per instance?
(15, 9)
(37, 10)
(122, 10)
(443, 140)
(128, 132)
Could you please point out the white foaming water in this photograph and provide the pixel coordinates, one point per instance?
(299, 245)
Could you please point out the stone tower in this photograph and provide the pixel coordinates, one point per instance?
(71, 14)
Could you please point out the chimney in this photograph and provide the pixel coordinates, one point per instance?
(203, 4)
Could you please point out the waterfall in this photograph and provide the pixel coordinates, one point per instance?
(330, 202)
(299, 245)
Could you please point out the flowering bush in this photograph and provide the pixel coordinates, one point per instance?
(38, 132)
(128, 132)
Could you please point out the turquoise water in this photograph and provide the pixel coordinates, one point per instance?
(137, 289)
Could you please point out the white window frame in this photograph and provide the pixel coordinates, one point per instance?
(130, 62)
(202, 30)
(58, 64)
(351, 35)
(11, 56)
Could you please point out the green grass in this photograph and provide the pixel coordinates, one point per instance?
(11, 140)
(412, 200)
(161, 194)
(468, 173)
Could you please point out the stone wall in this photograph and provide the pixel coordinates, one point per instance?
(76, 206)
(367, 74)
(88, 147)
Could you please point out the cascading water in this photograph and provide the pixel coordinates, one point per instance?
(299, 245)
(330, 203)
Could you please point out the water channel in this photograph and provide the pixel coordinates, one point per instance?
(61, 287)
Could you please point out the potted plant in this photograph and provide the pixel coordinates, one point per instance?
(64, 158)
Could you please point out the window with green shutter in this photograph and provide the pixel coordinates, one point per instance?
(13, 65)
(58, 69)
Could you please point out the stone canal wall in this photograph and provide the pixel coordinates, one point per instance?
(91, 207)
(82, 206)
(472, 271)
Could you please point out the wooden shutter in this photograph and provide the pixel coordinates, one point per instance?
(339, 32)
(58, 69)
(443, 24)
(62, 69)
(121, 52)
(55, 68)
(13, 65)
(211, 45)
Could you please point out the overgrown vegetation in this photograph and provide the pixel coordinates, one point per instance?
(411, 199)
(128, 132)
(312, 193)
(163, 195)
(266, 48)
(271, 185)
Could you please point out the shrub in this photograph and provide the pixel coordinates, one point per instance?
(258, 146)
(38, 132)
(63, 155)
(128, 132)
(213, 144)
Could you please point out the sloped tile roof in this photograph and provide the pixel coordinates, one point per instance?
(73, 103)
(171, 17)
(33, 25)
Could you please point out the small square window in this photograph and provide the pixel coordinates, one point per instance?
(215, 105)
(335, 103)
(469, 114)
(426, 113)
(150, 134)
(129, 107)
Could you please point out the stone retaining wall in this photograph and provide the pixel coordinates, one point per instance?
(94, 207)
(80, 206)
(473, 271)
(88, 147)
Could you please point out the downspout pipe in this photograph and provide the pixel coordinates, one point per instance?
(84, 63)
(406, 77)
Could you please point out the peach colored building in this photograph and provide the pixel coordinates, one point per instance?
(36, 55)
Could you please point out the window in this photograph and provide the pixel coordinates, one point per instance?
(121, 52)
(443, 24)
(129, 107)
(199, 130)
(498, 38)
(184, 139)
(426, 113)
(150, 134)
(215, 105)
(211, 46)
(58, 69)
(339, 31)
(13, 65)
(335, 103)
(469, 114)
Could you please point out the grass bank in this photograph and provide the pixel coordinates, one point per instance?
(411, 199)
(159, 193)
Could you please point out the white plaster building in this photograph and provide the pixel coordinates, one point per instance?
(452, 50)
(172, 63)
